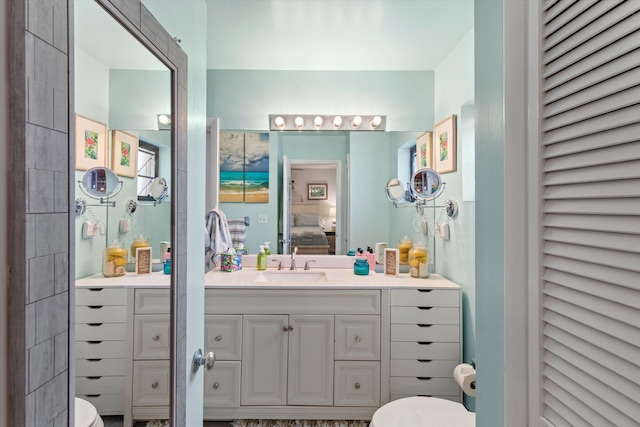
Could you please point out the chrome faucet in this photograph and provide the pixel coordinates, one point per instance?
(293, 258)
(279, 263)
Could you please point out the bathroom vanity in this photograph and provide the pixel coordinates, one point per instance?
(323, 344)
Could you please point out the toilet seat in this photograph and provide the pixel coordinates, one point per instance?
(423, 412)
(86, 414)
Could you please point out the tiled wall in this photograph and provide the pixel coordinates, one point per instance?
(40, 255)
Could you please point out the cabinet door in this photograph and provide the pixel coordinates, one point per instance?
(311, 344)
(264, 359)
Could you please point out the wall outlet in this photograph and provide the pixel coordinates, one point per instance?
(89, 229)
(262, 218)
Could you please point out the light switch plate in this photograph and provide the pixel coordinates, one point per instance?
(262, 218)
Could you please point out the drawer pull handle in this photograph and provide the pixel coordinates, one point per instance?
(425, 290)
(218, 338)
(95, 307)
(425, 308)
(424, 378)
(94, 342)
(154, 385)
(290, 328)
(93, 378)
(94, 324)
(425, 360)
(155, 338)
(216, 386)
(425, 342)
(95, 289)
(424, 325)
(357, 386)
(93, 396)
(94, 360)
(358, 339)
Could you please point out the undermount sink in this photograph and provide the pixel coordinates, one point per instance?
(291, 276)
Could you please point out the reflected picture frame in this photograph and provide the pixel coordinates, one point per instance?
(91, 143)
(143, 261)
(444, 145)
(424, 150)
(317, 191)
(124, 154)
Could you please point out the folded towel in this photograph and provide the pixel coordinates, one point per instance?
(217, 238)
(237, 231)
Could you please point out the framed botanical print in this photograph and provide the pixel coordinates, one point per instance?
(444, 140)
(424, 151)
(91, 143)
(124, 154)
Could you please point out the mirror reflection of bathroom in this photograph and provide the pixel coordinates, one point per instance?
(121, 90)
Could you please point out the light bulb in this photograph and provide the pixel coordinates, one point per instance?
(279, 121)
(164, 119)
(357, 121)
(318, 121)
(299, 122)
(376, 121)
(337, 122)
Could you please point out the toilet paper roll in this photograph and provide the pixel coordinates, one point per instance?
(465, 376)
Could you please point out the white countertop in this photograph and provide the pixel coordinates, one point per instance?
(249, 277)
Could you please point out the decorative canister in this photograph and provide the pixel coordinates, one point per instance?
(114, 258)
(139, 242)
(418, 254)
(404, 246)
(361, 267)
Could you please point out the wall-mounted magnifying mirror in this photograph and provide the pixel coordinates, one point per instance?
(100, 182)
(426, 184)
(158, 189)
(394, 190)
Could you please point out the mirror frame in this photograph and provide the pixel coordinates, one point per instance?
(90, 180)
(422, 173)
(140, 23)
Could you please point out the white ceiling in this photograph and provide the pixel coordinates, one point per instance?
(334, 34)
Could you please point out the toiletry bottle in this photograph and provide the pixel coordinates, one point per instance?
(167, 255)
(262, 259)
(167, 266)
(267, 251)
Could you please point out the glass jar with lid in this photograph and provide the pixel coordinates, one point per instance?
(404, 246)
(361, 267)
(114, 258)
(418, 254)
(139, 242)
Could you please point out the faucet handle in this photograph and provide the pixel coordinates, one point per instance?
(279, 263)
(306, 264)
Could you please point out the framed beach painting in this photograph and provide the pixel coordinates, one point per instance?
(317, 191)
(91, 143)
(444, 138)
(424, 151)
(124, 154)
(244, 167)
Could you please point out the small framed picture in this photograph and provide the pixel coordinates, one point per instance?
(143, 261)
(444, 141)
(91, 143)
(424, 151)
(317, 191)
(391, 262)
(124, 154)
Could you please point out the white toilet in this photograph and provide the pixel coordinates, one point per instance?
(423, 412)
(86, 414)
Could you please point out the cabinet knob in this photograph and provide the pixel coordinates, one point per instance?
(154, 385)
(216, 386)
(155, 338)
(357, 386)
(290, 328)
(218, 338)
(285, 329)
(358, 339)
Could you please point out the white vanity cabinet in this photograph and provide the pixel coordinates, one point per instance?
(100, 340)
(425, 342)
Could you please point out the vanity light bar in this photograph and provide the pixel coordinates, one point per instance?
(317, 122)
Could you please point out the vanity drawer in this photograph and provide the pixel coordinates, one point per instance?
(101, 314)
(425, 350)
(101, 332)
(100, 349)
(100, 385)
(152, 301)
(357, 384)
(151, 337)
(425, 333)
(222, 385)
(100, 367)
(423, 368)
(424, 386)
(101, 296)
(223, 336)
(106, 404)
(425, 298)
(151, 383)
(426, 315)
(357, 338)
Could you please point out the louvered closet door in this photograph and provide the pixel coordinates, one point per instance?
(591, 226)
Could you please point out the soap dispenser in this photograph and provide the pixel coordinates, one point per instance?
(267, 251)
(262, 259)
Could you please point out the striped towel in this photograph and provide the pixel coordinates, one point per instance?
(237, 231)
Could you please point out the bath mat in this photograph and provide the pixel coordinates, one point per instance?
(298, 423)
